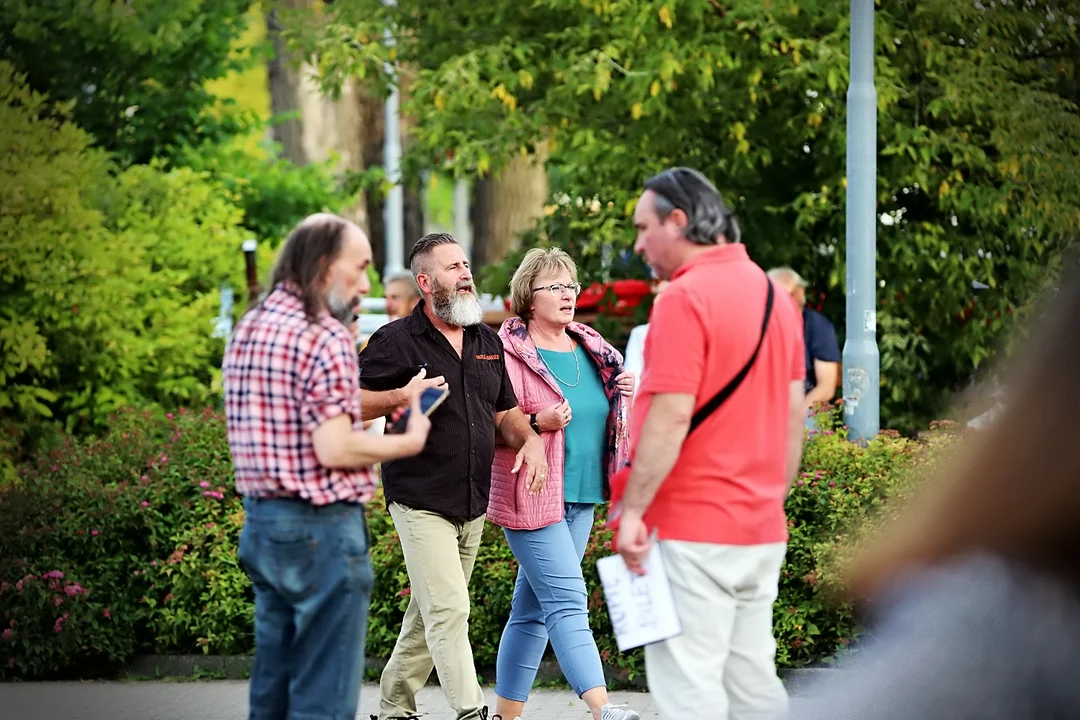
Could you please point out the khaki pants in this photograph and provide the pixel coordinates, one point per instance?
(439, 554)
(723, 665)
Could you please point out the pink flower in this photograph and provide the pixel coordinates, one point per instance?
(145, 504)
(53, 574)
(144, 478)
(4, 587)
(73, 590)
(164, 458)
(59, 624)
(209, 525)
(169, 415)
(204, 484)
(800, 482)
(94, 533)
(213, 494)
(153, 563)
(58, 601)
(405, 593)
(107, 615)
(18, 586)
(7, 634)
(55, 468)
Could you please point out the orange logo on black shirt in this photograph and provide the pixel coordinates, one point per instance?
(487, 357)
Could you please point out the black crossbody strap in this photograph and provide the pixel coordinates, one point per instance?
(721, 397)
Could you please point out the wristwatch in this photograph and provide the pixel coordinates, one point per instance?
(533, 425)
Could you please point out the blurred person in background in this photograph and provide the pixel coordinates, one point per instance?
(401, 294)
(571, 384)
(976, 586)
(635, 345)
(819, 338)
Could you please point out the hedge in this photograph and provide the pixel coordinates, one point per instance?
(126, 544)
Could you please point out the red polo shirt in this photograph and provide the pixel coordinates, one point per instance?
(729, 483)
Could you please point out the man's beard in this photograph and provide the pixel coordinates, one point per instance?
(454, 309)
(340, 307)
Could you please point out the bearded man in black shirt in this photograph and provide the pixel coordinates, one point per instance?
(438, 498)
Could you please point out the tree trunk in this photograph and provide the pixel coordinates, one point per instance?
(374, 123)
(284, 93)
(507, 204)
(351, 127)
(323, 126)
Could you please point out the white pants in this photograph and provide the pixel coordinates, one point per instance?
(723, 665)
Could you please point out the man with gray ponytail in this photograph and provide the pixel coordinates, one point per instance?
(721, 356)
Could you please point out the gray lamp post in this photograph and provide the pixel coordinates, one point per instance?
(394, 214)
(861, 361)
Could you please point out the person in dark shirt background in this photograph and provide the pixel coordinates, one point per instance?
(822, 350)
(439, 498)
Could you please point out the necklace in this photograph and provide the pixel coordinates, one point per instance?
(577, 366)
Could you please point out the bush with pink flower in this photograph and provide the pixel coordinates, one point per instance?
(90, 564)
(128, 544)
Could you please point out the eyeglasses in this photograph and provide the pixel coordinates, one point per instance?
(557, 288)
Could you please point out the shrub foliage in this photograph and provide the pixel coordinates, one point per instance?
(127, 543)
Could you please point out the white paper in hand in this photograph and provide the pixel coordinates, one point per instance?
(641, 607)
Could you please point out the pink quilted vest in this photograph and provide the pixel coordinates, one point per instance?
(509, 503)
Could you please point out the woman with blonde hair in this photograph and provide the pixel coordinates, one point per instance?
(977, 583)
(572, 384)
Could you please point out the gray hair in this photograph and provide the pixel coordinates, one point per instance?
(311, 246)
(423, 247)
(688, 190)
(787, 276)
(407, 278)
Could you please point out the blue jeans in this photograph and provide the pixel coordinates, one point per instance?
(312, 577)
(550, 601)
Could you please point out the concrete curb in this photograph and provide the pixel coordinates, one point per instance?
(238, 667)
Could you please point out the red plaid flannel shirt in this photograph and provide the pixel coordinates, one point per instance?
(283, 377)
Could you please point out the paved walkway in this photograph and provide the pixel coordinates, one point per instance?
(227, 700)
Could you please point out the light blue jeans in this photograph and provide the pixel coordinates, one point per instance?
(550, 602)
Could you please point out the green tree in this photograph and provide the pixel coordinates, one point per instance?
(137, 71)
(109, 278)
(273, 192)
(977, 118)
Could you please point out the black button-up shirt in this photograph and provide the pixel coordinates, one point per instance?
(452, 476)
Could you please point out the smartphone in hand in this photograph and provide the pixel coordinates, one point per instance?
(430, 399)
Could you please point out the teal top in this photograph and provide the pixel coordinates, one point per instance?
(583, 466)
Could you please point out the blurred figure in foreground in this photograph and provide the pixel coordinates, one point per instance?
(977, 585)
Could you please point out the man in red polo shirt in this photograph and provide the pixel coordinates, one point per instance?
(715, 499)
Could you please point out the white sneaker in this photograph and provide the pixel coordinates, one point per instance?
(612, 712)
